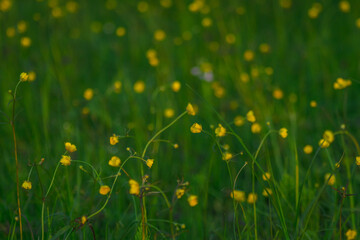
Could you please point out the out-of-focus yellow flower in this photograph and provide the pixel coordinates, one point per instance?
(149, 162)
(176, 145)
(70, 147)
(25, 42)
(239, 120)
(227, 156)
(329, 136)
(192, 200)
(26, 185)
(357, 23)
(139, 86)
(175, 86)
(71, 6)
(269, 70)
(244, 77)
(196, 5)
(264, 48)
(252, 198)
(358, 160)
(88, 94)
(32, 76)
(249, 55)
(114, 139)
(323, 143)
(206, 22)
(330, 180)
(230, 38)
(283, 132)
(159, 35)
(65, 160)
(166, 3)
(24, 77)
(142, 6)
(266, 176)
(117, 86)
(250, 116)
(22, 26)
(169, 112)
(313, 104)
(255, 128)
(10, 32)
(85, 111)
(308, 149)
(344, 6)
(220, 131)
(238, 195)
(134, 187)
(83, 220)
(341, 83)
(278, 94)
(196, 128)
(120, 31)
(5, 5)
(267, 192)
(115, 161)
(104, 190)
(351, 234)
(180, 192)
(285, 3)
(315, 10)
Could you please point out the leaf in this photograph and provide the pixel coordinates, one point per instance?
(61, 232)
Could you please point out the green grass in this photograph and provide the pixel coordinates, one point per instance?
(81, 50)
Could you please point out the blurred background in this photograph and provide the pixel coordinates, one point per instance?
(131, 67)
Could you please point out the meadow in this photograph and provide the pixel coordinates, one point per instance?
(170, 119)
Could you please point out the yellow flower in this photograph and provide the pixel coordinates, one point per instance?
(285, 3)
(315, 10)
(330, 180)
(323, 143)
(114, 139)
(134, 187)
(313, 104)
(70, 147)
(104, 190)
(196, 128)
(250, 116)
(175, 86)
(32, 76)
(117, 86)
(88, 94)
(329, 136)
(238, 195)
(283, 132)
(149, 162)
(180, 192)
(255, 128)
(26, 185)
(341, 83)
(220, 131)
(308, 149)
(25, 41)
(351, 234)
(239, 120)
(266, 176)
(344, 6)
(159, 35)
(192, 200)
(230, 38)
(249, 55)
(358, 160)
(65, 160)
(264, 48)
(244, 77)
(169, 112)
(252, 197)
(278, 94)
(227, 156)
(139, 86)
(176, 145)
(206, 22)
(83, 220)
(120, 31)
(266, 192)
(114, 161)
(24, 77)
(190, 109)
